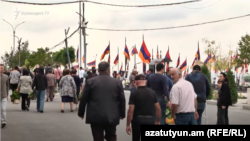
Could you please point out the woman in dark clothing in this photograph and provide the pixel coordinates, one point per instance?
(224, 101)
(94, 73)
(40, 84)
(78, 84)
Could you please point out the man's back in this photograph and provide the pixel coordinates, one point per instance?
(158, 83)
(51, 79)
(200, 84)
(106, 100)
(144, 100)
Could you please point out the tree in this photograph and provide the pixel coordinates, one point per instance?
(205, 71)
(42, 57)
(12, 59)
(221, 61)
(244, 50)
(232, 85)
(60, 57)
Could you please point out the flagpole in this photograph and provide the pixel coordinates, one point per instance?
(118, 59)
(135, 59)
(125, 58)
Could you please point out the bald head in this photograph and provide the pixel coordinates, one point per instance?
(175, 74)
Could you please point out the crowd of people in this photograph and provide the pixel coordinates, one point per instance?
(150, 95)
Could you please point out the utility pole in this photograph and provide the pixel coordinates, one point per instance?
(19, 44)
(80, 30)
(66, 44)
(135, 58)
(84, 36)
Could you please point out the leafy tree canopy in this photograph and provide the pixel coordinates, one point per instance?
(60, 57)
(244, 50)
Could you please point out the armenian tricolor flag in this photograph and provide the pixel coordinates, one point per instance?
(183, 66)
(91, 64)
(144, 54)
(134, 51)
(109, 59)
(193, 62)
(246, 66)
(76, 66)
(178, 61)
(126, 52)
(120, 70)
(168, 57)
(157, 55)
(77, 53)
(208, 58)
(116, 59)
(211, 60)
(197, 55)
(106, 51)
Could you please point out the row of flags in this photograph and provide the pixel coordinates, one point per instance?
(145, 56)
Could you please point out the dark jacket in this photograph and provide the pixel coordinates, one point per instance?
(94, 75)
(40, 80)
(201, 85)
(169, 83)
(224, 95)
(147, 76)
(47, 70)
(105, 100)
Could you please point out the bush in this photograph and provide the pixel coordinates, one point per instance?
(205, 71)
(233, 88)
(247, 78)
(15, 95)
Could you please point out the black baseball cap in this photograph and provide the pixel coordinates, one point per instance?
(140, 77)
(197, 67)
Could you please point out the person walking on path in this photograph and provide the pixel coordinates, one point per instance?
(150, 72)
(224, 100)
(58, 74)
(106, 104)
(4, 95)
(132, 79)
(158, 83)
(81, 74)
(40, 85)
(201, 87)
(183, 100)
(67, 90)
(14, 78)
(48, 69)
(143, 106)
(94, 72)
(78, 83)
(25, 88)
(51, 83)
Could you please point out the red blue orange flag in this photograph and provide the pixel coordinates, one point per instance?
(116, 59)
(91, 64)
(178, 61)
(134, 51)
(77, 53)
(126, 52)
(157, 55)
(109, 59)
(197, 55)
(106, 51)
(207, 59)
(167, 54)
(144, 54)
(183, 66)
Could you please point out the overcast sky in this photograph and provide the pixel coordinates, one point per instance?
(47, 30)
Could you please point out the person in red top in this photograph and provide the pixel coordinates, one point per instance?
(58, 74)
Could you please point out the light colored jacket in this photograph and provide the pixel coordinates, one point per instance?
(14, 77)
(25, 84)
(67, 86)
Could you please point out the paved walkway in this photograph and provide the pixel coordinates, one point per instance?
(55, 126)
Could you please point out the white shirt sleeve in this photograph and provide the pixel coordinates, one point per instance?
(175, 95)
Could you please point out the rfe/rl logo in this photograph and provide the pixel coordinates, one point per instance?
(16, 13)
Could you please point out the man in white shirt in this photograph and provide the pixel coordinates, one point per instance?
(81, 74)
(183, 100)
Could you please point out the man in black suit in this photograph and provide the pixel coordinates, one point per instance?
(105, 100)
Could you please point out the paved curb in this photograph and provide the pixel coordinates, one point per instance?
(245, 107)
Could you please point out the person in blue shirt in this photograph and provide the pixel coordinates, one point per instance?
(201, 87)
(169, 80)
(150, 73)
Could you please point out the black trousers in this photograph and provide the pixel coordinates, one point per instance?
(222, 116)
(25, 101)
(136, 126)
(13, 87)
(99, 129)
